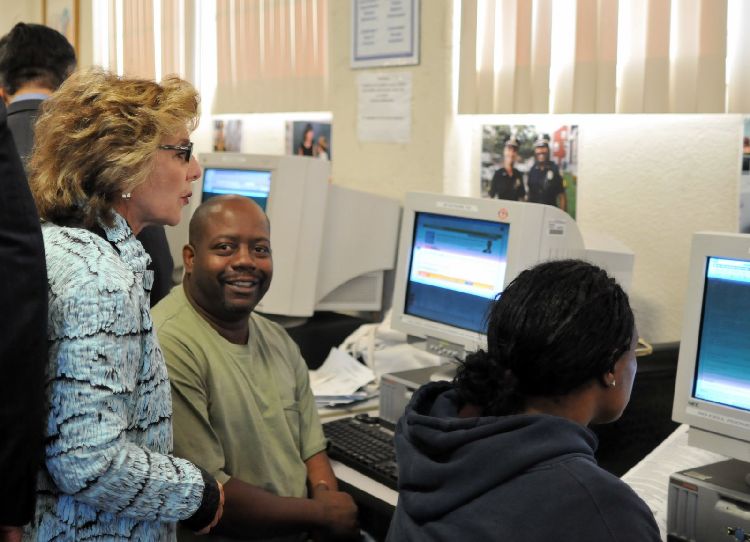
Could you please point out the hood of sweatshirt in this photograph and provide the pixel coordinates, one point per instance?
(446, 461)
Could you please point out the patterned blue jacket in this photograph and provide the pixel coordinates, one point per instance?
(107, 472)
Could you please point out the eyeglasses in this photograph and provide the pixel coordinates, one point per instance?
(185, 150)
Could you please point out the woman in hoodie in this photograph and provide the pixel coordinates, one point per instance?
(503, 452)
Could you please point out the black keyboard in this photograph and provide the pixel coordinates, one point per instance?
(365, 445)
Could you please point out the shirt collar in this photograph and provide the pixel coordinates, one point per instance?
(131, 250)
(29, 96)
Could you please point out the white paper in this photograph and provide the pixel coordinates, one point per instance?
(384, 107)
(340, 374)
(385, 33)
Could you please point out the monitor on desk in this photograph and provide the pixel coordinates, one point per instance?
(457, 254)
(712, 390)
(327, 253)
(252, 183)
(455, 262)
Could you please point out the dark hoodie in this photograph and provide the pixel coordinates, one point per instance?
(510, 478)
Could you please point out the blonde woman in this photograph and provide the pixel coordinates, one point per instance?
(112, 155)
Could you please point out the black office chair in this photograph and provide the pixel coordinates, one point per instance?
(320, 333)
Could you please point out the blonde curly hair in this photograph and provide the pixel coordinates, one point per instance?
(97, 137)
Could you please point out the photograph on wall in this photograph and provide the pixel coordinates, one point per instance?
(745, 179)
(227, 135)
(62, 15)
(536, 163)
(307, 138)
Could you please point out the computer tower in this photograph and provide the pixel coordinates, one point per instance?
(709, 503)
(396, 389)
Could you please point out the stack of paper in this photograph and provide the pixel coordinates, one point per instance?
(340, 380)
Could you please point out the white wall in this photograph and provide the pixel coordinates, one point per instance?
(15, 11)
(85, 50)
(649, 181)
(385, 168)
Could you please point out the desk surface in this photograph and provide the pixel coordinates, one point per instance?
(355, 478)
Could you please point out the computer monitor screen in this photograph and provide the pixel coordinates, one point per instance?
(326, 254)
(456, 254)
(254, 184)
(723, 358)
(457, 268)
(712, 387)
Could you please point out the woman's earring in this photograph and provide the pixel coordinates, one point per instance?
(126, 195)
(613, 384)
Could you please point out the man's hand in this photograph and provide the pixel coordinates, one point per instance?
(9, 533)
(217, 516)
(339, 513)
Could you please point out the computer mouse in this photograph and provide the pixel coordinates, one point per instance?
(366, 418)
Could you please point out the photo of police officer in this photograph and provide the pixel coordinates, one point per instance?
(535, 163)
(507, 182)
(544, 180)
(744, 225)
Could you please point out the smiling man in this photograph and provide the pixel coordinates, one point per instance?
(243, 409)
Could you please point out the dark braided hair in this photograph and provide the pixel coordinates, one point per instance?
(555, 327)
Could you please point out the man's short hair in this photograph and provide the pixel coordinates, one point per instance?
(201, 216)
(34, 53)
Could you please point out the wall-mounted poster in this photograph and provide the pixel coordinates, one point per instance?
(385, 33)
(536, 163)
(307, 138)
(62, 15)
(745, 179)
(384, 107)
(227, 135)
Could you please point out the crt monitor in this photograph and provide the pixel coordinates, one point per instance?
(252, 183)
(456, 262)
(295, 204)
(327, 254)
(712, 390)
(457, 254)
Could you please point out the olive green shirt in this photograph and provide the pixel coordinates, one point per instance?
(239, 411)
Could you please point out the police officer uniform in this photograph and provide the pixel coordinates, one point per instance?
(507, 185)
(545, 181)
